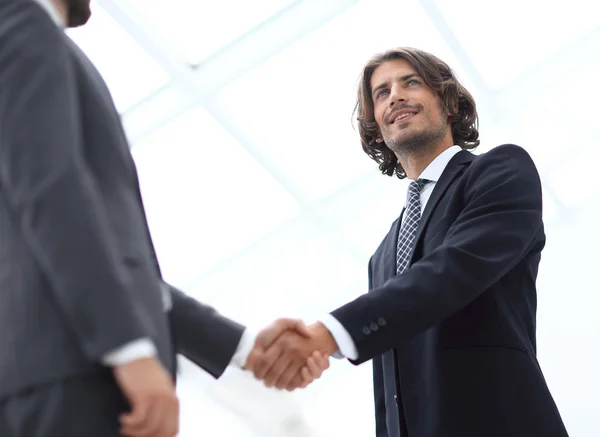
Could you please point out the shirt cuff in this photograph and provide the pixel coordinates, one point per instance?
(244, 348)
(167, 298)
(135, 350)
(346, 345)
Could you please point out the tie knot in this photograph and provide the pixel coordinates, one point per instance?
(415, 187)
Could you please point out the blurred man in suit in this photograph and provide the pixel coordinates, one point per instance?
(88, 329)
(450, 317)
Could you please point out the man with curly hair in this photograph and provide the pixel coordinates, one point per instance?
(449, 320)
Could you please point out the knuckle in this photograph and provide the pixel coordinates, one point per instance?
(280, 322)
(259, 360)
(294, 347)
(258, 367)
(286, 345)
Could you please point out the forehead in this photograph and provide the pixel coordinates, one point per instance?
(390, 71)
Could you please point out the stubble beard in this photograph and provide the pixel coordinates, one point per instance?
(424, 140)
(421, 141)
(78, 12)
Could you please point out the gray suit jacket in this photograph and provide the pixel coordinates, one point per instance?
(78, 272)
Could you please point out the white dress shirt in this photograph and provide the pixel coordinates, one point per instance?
(50, 8)
(432, 173)
(144, 347)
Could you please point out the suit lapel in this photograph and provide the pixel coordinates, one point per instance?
(452, 170)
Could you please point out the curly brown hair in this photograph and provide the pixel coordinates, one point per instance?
(438, 76)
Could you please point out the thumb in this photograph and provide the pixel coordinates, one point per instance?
(299, 326)
(268, 335)
(136, 416)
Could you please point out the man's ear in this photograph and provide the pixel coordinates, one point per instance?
(454, 110)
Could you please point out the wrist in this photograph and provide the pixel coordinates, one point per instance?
(325, 340)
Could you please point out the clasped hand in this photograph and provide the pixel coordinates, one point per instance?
(289, 355)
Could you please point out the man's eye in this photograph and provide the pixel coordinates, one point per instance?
(412, 82)
(381, 93)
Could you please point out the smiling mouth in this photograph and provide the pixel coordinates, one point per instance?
(402, 117)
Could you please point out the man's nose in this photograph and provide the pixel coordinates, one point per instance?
(397, 94)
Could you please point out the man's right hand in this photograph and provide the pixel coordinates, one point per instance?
(151, 393)
(288, 355)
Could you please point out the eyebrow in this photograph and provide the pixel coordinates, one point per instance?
(386, 84)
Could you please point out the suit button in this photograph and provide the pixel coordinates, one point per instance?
(381, 321)
(374, 326)
(396, 400)
(366, 330)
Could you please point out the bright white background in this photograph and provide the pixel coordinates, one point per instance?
(262, 203)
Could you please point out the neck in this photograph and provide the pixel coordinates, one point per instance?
(414, 163)
(61, 8)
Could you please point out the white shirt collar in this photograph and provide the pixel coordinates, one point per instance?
(49, 7)
(434, 170)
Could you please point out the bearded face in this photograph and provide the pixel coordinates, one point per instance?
(78, 12)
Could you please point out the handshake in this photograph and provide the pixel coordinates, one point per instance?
(287, 355)
(290, 355)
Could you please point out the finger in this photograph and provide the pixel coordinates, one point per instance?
(296, 383)
(289, 374)
(146, 428)
(321, 360)
(300, 327)
(155, 423)
(171, 420)
(266, 360)
(252, 357)
(270, 334)
(159, 423)
(306, 378)
(139, 424)
(315, 365)
(136, 416)
(278, 368)
(313, 368)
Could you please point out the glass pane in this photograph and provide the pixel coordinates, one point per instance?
(576, 181)
(205, 197)
(197, 29)
(303, 279)
(572, 108)
(505, 39)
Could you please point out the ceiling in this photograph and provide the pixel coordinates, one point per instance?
(259, 197)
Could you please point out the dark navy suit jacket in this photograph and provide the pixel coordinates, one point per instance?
(461, 319)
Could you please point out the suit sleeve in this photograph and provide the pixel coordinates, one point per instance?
(51, 194)
(495, 230)
(203, 335)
